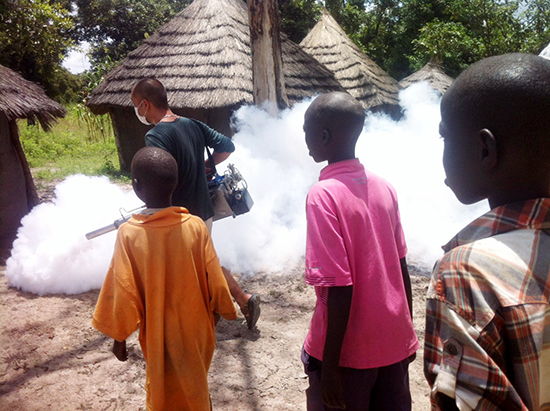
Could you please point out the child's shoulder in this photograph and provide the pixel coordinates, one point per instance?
(197, 220)
(324, 187)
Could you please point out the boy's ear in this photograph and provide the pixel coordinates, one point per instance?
(325, 137)
(136, 184)
(488, 143)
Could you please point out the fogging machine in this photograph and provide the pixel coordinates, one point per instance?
(229, 192)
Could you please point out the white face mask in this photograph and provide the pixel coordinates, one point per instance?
(143, 119)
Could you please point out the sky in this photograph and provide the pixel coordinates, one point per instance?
(77, 61)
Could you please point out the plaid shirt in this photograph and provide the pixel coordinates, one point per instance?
(488, 319)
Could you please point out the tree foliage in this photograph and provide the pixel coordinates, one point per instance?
(116, 27)
(400, 35)
(35, 36)
(298, 17)
(404, 35)
(536, 15)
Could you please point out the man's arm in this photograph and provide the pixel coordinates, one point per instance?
(218, 158)
(339, 304)
(216, 140)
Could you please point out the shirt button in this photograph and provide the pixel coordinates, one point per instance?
(451, 349)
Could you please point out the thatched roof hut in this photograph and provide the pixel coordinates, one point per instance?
(432, 74)
(357, 73)
(203, 57)
(19, 98)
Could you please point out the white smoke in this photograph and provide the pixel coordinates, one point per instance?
(409, 155)
(51, 254)
(272, 156)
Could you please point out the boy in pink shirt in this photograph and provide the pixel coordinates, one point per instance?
(361, 338)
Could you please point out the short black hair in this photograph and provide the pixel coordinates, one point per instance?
(152, 90)
(507, 94)
(156, 170)
(339, 112)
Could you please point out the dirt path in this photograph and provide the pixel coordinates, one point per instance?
(52, 359)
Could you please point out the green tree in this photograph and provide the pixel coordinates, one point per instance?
(473, 29)
(404, 35)
(35, 36)
(536, 21)
(298, 17)
(116, 27)
(445, 43)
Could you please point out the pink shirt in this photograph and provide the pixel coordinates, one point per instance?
(354, 237)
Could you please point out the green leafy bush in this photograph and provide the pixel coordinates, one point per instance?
(68, 149)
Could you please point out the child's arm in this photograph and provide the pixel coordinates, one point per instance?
(408, 292)
(407, 282)
(120, 351)
(339, 304)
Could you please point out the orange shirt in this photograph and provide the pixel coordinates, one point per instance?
(165, 278)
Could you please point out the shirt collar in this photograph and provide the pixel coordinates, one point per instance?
(150, 211)
(339, 167)
(160, 216)
(530, 214)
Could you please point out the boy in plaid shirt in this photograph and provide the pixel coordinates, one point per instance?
(487, 343)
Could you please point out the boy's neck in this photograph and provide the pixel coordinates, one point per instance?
(343, 157)
(158, 204)
(497, 201)
(522, 185)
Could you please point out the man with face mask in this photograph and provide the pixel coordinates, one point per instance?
(185, 139)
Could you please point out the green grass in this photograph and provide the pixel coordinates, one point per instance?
(76, 144)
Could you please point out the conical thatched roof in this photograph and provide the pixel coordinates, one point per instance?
(431, 73)
(304, 76)
(203, 58)
(355, 71)
(20, 98)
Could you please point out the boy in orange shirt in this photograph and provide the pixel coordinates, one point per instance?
(165, 278)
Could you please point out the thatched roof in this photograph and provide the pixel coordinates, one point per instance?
(356, 72)
(304, 76)
(203, 58)
(431, 73)
(20, 98)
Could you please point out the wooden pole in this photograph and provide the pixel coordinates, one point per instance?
(267, 65)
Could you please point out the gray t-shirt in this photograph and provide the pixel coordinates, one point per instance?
(186, 139)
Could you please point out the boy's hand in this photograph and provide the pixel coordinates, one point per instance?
(120, 351)
(331, 388)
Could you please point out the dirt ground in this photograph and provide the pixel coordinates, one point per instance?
(52, 359)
